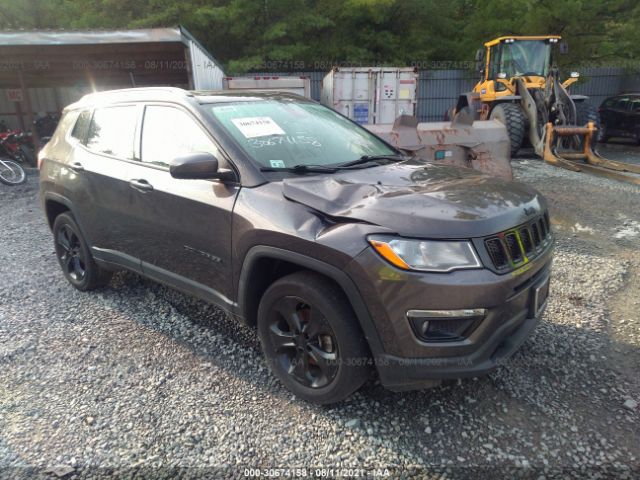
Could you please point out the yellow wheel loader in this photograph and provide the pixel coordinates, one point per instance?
(520, 87)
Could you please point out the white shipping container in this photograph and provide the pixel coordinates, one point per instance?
(297, 85)
(371, 95)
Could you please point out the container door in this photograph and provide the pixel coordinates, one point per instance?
(353, 95)
(396, 93)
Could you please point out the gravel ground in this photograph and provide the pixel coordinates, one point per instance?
(139, 380)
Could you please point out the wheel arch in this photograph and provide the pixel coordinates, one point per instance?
(255, 279)
(55, 205)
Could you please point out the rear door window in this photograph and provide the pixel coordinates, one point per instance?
(622, 103)
(635, 104)
(168, 133)
(112, 131)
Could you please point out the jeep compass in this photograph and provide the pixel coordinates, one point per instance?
(350, 258)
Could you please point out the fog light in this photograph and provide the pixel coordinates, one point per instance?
(444, 325)
(424, 326)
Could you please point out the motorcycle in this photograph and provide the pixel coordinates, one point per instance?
(11, 173)
(45, 126)
(17, 145)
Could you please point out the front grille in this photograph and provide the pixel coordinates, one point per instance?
(535, 231)
(510, 249)
(513, 247)
(496, 252)
(525, 237)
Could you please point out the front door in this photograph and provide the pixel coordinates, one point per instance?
(184, 226)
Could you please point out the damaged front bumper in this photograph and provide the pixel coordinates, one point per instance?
(484, 318)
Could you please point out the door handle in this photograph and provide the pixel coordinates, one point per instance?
(76, 167)
(141, 185)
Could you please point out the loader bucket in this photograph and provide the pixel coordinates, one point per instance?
(482, 145)
(587, 159)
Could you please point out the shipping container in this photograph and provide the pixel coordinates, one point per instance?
(300, 85)
(371, 95)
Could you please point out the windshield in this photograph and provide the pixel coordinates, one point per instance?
(525, 57)
(284, 133)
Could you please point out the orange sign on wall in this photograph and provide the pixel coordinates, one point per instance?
(14, 94)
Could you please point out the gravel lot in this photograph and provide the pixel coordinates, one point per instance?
(139, 380)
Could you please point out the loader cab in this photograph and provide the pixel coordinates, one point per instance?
(505, 58)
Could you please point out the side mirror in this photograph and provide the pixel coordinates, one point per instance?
(564, 48)
(199, 165)
(479, 55)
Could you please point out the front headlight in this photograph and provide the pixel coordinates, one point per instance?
(426, 255)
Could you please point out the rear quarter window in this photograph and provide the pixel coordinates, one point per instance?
(79, 131)
(112, 131)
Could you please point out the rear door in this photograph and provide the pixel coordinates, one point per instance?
(620, 116)
(184, 226)
(98, 176)
(634, 117)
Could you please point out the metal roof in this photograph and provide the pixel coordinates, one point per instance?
(90, 37)
(152, 56)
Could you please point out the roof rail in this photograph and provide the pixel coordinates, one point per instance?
(131, 94)
(137, 90)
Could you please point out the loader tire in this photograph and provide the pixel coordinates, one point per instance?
(585, 113)
(513, 118)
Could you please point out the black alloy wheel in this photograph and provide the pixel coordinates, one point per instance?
(311, 338)
(70, 254)
(74, 256)
(304, 342)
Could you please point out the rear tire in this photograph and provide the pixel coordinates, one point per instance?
(513, 118)
(74, 256)
(311, 339)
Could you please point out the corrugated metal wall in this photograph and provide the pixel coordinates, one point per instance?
(207, 74)
(45, 100)
(438, 90)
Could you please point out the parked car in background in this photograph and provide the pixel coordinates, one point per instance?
(348, 256)
(620, 117)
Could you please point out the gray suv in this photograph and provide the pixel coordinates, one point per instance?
(350, 258)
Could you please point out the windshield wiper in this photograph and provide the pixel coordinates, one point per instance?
(371, 158)
(300, 169)
(332, 169)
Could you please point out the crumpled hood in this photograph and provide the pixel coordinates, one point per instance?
(420, 199)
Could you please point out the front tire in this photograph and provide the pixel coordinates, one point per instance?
(74, 256)
(513, 118)
(310, 338)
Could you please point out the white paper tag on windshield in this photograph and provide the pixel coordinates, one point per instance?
(252, 127)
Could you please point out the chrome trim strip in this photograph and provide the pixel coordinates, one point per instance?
(444, 314)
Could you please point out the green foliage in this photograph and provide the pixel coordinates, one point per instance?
(315, 34)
